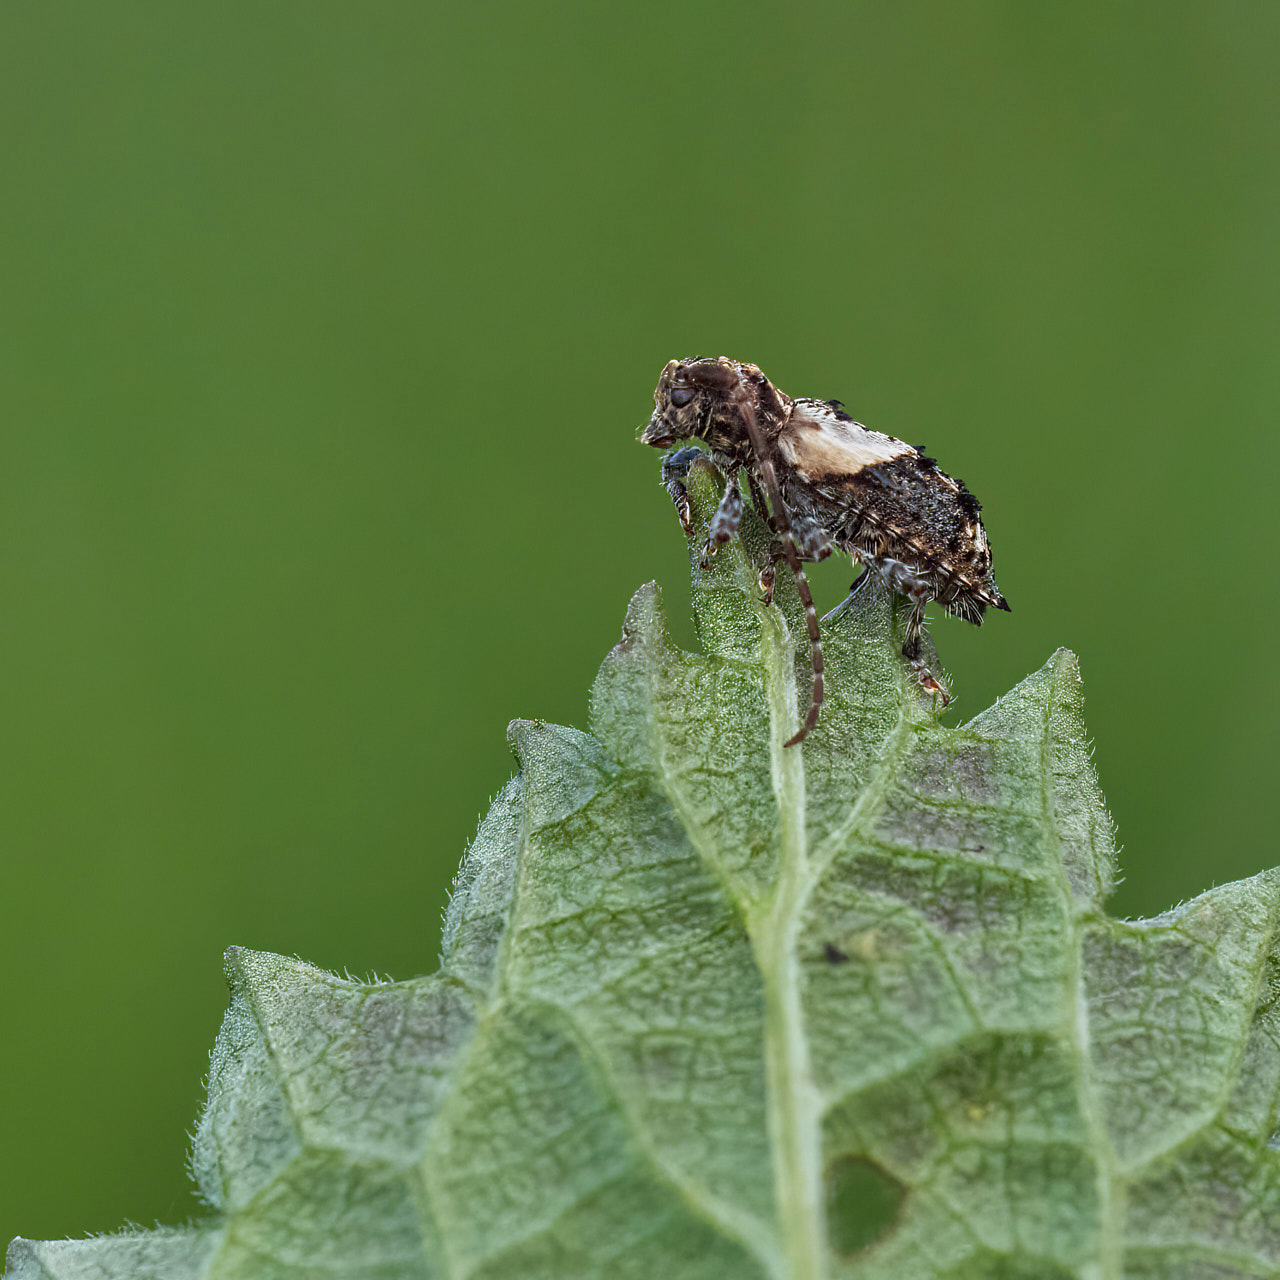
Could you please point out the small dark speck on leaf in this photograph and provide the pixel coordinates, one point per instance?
(834, 954)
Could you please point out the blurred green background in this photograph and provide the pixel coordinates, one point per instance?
(327, 331)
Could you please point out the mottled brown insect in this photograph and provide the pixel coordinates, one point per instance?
(825, 482)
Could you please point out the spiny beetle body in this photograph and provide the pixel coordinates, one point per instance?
(825, 482)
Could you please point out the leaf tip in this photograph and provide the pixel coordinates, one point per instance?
(562, 768)
(518, 733)
(644, 615)
(233, 965)
(643, 630)
(1064, 661)
(247, 969)
(16, 1259)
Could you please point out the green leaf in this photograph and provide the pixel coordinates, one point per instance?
(712, 1007)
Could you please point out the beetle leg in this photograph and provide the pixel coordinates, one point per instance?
(911, 651)
(725, 522)
(675, 467)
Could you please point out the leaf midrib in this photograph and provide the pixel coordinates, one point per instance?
(794, 1104)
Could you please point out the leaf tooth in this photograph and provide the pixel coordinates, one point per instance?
(562, 769)
(1173, 1005)
(621, 704)
(644, 623)
(183, 1253)
(1042, 719)
(307, 1061)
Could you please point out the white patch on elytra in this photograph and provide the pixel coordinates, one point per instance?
(817, 442)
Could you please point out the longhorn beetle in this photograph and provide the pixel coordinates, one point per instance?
(823, 481)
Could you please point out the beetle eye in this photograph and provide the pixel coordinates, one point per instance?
(681, 396)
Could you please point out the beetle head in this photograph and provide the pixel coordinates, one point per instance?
(690, 395)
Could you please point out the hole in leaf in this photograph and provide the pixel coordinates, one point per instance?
(863, 1204)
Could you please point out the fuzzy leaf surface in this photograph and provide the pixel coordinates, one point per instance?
(711, 1007)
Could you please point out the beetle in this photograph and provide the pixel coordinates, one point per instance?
(825, 482)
